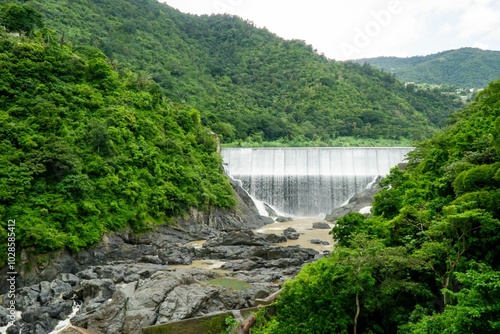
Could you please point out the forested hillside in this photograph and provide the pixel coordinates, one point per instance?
(465, 67)
(428, 260)
(247, 83)
(85, 149)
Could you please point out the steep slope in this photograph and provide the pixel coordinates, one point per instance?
(85, 150)
(465, 67)
(247, 82)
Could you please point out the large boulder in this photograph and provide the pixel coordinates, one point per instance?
(244, 238)
(291, 233)
(321, 226)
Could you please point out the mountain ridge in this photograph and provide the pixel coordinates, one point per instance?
(465, 67)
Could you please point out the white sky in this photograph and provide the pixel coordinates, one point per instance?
(350, 29)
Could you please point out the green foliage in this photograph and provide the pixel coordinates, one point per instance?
(435, 229)
(477, 178)
(82, 153)
(249, 85)
(496, 135)
(475, 311)
(345, 226)
(230, 324)
(335, 142)
(465, 67)
(20, 18)
(353, 287)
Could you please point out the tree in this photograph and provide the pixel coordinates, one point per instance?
(20, 18)
(354, 290)
(475, 309)
(496, 136)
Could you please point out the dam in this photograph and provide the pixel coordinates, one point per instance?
(309, 182)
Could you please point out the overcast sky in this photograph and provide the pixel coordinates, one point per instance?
(350, 29)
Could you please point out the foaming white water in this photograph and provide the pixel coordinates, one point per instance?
(306, 182)
(66, 322)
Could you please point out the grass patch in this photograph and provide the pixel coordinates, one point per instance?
(231, 283)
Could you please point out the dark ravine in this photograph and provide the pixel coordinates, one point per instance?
(127, 281)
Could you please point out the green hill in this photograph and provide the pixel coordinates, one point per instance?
(85, 149)
(465, 67)
(247, 83)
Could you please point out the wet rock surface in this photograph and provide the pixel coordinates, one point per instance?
(291, 233)
(321, 226)
(122, 296)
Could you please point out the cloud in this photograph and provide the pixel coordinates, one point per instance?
(478, 19)
(422, 27)
(480, 46)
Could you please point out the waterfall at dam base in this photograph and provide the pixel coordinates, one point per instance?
(308, 182)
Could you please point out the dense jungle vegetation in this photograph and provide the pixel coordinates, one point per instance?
(85, 149)
(428, 259)
(464, 67)
(100, 130)
(249, 84)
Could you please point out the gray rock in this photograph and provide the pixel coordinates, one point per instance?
(57, 308)
(266, 220)
(87, 274)
(291, 233)
(151, 259)
(321, 226)
(69, 278)
(176, 254)
(272, 238)
(109, 318)
(240, 238)
(185, 301)
(282, 219)
(203, 224)
(241, 265)
(270, 211)
(95, 289)
(38, 320)
(316, 241)
(4, 316)
(319, 256)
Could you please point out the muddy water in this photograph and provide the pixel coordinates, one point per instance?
(204, 264)
(304, 227)
(196, 244)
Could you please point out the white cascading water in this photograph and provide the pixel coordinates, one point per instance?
(307, 182)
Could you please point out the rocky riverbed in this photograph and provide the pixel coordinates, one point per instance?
(122, 296)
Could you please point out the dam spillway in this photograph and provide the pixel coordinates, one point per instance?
(308, 182)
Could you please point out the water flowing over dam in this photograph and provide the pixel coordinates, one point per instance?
(308, 182)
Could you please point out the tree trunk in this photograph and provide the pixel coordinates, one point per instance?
(247, 324)
(357, 314)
